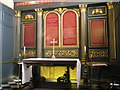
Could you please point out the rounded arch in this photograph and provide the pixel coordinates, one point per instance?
(51, 28)
(70, 28)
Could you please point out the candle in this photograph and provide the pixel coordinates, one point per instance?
(24, 49)
(85, 48)
(19, 55)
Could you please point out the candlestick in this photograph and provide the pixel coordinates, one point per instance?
(19, 55)
(24, 49)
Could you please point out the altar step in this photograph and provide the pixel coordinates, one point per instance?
(16, 83)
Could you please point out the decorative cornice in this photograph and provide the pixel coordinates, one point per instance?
(18, 14)
(39, 11)
(110, 5)
(83, 8)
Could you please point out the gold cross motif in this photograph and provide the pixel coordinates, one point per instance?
(53, 42)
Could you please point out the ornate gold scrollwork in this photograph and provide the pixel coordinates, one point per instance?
(29, 53)
(98, 53)
(60, 10)
(18, 14)
(29, 16)
(97, 11)
(62, 53)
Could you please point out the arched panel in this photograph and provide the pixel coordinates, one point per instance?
(51, 28)
(70, 29)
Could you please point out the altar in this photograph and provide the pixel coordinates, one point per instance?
(27, 71)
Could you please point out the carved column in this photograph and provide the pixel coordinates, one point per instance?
(17, 35)
(112, 31)
(39, 32)
(83, 35)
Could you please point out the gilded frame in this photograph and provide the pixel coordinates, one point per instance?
(77, 19)
(105, 32)
(22, 34)
(97, 7)
(45, 15)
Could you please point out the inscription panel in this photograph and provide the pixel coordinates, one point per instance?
(51, 28)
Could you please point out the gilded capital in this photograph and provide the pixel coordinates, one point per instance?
(39, 11)
(83, 8)
(110, 5)
(18, 14)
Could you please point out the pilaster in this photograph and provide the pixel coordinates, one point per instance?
(39, 32)
(83, 35)
(17, 35)
(112, 31)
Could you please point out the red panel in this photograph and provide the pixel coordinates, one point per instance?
(69, 28)
(97, 32)
(29, 35)
(52, 29)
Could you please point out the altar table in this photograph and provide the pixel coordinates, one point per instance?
(27, 71)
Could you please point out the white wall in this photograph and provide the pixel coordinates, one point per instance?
(9, 3)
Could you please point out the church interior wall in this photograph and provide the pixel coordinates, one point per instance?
(7, 39)
(0, 41)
